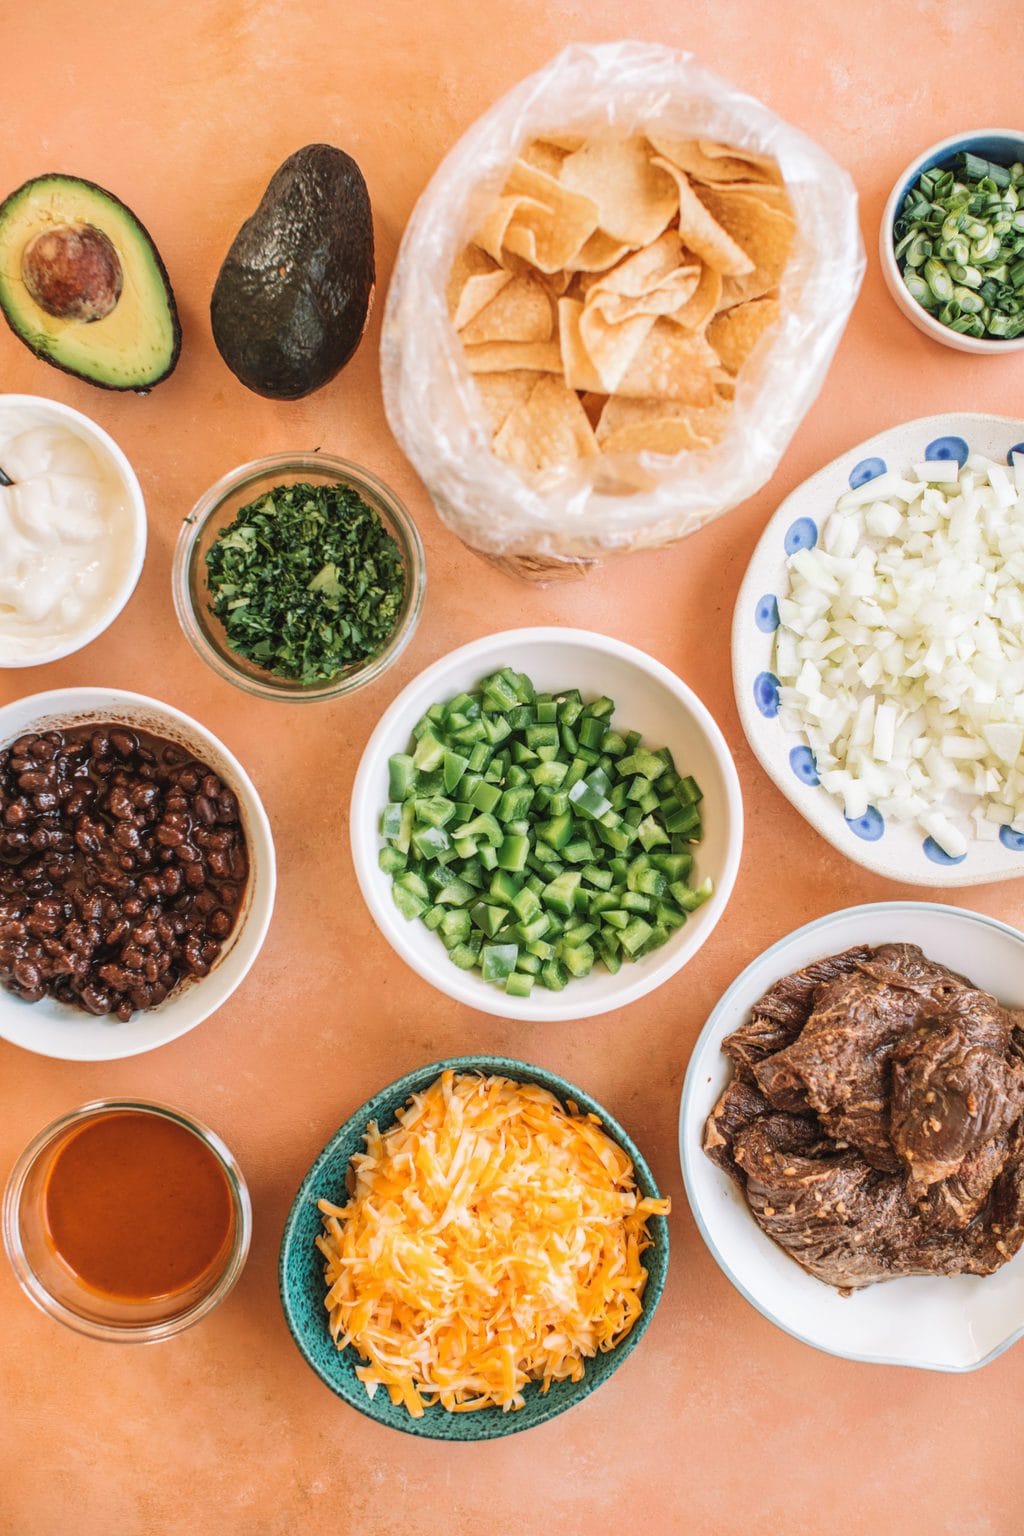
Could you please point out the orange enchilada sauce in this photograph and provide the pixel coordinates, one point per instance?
(138, 1207)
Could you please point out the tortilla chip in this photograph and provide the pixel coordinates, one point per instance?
(766, 164)
(551, 221)
(701, 231)
(775, 197)
(766, 233)
(725, 165)
(549, 427)
(598, 254)
(672, 364)
(474, 280)
(653, 281)
(491, 234)
(508, 356)
(735, 332)
(567, 141)
(660, 426)
(502, 392)
(576, 364)
(521, 311)
(635, 199)
(640, 270)
(611, 347)
(697, 311)
(689, 157)
(476, 294)
(544, 155)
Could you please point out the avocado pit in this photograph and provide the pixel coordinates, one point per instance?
(73, 272)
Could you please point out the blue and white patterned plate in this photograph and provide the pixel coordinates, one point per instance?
(897, 851)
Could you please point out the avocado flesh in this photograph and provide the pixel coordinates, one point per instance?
(137, 344)
(290, 303)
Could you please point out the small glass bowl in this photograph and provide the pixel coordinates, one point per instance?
(59, 1293)
(218, 509)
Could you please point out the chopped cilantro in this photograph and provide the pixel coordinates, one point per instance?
(306, 581)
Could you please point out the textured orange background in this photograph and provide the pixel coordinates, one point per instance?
(719, 1423)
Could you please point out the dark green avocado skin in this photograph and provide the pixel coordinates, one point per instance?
(291, 299)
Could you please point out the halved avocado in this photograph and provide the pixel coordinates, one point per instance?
(83, 286)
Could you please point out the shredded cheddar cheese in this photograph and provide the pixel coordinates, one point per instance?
(492, 1238)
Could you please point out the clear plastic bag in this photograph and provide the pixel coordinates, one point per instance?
(567, 518)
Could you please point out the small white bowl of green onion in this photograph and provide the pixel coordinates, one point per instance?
(952, 241)
(546, 824)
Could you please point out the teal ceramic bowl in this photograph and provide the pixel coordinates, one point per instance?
(302, 1282)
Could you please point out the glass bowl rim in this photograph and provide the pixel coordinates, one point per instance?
(341, 470)
(143, 1333)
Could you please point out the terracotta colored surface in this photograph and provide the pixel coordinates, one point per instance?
(719, 1422)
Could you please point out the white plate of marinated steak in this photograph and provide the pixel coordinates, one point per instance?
(852, 1135)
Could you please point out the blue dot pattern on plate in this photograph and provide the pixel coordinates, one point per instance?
(766, 614)
(868, 827)
(1017, 448)
(939, 855)
(1011, 839)
(803, 534)
(865, 470)
(948, 448)
(801, 760)
(766, 694)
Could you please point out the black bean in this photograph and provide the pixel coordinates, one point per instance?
(35, 780)
(124, 742)
(94, 999)
(112, 845)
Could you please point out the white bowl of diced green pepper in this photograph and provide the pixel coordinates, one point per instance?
(546, 824)
(951, 241)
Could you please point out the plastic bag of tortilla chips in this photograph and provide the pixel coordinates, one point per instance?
(612, 307)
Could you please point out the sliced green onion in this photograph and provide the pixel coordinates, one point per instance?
(974, 168)
(938, 278)
(959, 239)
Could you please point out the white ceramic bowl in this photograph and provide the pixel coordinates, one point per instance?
(939, 1324)
(897, 851)
(648, 698)
(47, 412)
(1004, 146)
(54, 1029)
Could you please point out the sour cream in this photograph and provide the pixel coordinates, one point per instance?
(68, 543)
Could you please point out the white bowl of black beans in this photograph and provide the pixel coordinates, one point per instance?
(137, 873)
(653, 705)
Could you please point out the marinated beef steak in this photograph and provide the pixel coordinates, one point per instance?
(953, 1202)
(875, 1119)
(953, 1089)
(839, 1064)
(785, 1008)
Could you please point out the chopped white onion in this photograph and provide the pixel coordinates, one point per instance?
(900, 649)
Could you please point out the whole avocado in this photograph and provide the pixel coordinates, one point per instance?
(291, 299)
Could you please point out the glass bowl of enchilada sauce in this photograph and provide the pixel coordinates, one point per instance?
(127, 1220)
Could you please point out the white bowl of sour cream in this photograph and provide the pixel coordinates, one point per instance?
(72, 530)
